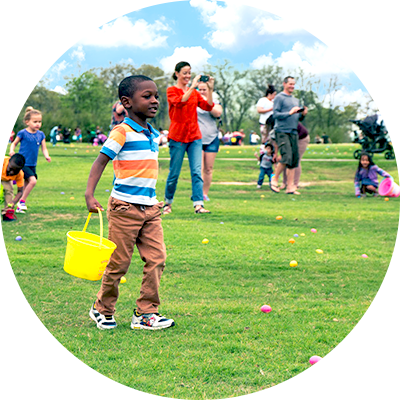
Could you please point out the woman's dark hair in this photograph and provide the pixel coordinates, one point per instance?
(178, 67)
(128, 85)
(270, 89)
(371, 163)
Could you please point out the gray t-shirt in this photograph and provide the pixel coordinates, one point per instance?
(284, 122)
(266, 161)
(208, 125)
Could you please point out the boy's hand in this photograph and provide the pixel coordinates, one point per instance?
(92, 204)
(48, 159)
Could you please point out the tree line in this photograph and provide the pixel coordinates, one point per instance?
(90, 96)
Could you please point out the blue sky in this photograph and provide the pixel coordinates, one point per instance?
(206, 31)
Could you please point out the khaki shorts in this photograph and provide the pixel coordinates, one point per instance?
(288, 148)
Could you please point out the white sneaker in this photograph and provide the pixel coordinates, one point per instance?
(19, 211)
(22, 206)
(258, 186)
(150, 321)
(102, 321)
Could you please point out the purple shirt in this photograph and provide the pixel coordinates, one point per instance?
(368, 175)
(29, 147)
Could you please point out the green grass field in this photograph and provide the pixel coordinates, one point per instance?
(222, 344)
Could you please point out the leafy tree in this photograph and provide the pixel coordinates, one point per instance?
(88, 101)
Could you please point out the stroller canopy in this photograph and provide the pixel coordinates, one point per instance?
(377, 124)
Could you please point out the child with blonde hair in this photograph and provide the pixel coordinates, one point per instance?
(30, 139)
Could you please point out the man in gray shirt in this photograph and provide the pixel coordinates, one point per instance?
(286, 114)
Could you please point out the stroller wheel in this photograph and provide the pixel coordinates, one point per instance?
(389, 155)
(357, 154)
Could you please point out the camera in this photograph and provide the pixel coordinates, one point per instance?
(300, 110)
(204, 78)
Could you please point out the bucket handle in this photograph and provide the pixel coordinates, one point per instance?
(101, 224)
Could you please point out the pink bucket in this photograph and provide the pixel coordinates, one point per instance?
(389, 188)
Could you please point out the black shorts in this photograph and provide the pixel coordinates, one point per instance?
(29, 171)
(288, 148)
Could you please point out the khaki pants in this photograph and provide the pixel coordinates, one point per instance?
(131, 224)
(8, 190)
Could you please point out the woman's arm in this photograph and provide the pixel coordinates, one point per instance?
(193, 86)
(216, 112)
(13, 145)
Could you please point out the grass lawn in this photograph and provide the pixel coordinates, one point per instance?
(222, 344)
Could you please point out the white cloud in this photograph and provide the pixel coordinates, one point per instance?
(263, 61)
(59, 89)
(315, 60)
(240, 23)
(58, 68)
(124, 32)
(196, 56)
(132, 6)
(343, 97)
(14, 6)
(78, 54)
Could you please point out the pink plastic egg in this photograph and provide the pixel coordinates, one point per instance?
(266, 308)
(314, 359)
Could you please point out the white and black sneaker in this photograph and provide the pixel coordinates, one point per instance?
(102, 321)
(151, 321)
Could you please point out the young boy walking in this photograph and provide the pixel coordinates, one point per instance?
(133, 212)
(12, 171)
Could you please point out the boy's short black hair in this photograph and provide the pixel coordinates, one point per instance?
(128, 85)
(269, 145)
(18, 160)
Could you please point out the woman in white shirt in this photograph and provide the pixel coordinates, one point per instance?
(264, 108)
(207, 121)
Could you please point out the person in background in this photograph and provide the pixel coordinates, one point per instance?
(209, 130)
(366, 178)
(56, 130)
(303, 142)
(254, 138)
(184, 133)
(9, 135)
(78, 134)
(31, 138)
(237, 138)
(266, 163)
(118, 114)
(265, 109)
(286, 118)
(326, 139)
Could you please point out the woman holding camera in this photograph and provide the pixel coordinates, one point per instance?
(184, 133)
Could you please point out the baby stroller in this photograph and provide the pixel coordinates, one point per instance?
(373, 138)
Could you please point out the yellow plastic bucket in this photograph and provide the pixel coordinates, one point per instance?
(87, 254)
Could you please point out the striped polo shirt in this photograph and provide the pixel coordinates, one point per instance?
(134, 151)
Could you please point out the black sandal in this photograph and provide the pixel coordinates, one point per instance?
(167, 209)
(202, 210)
